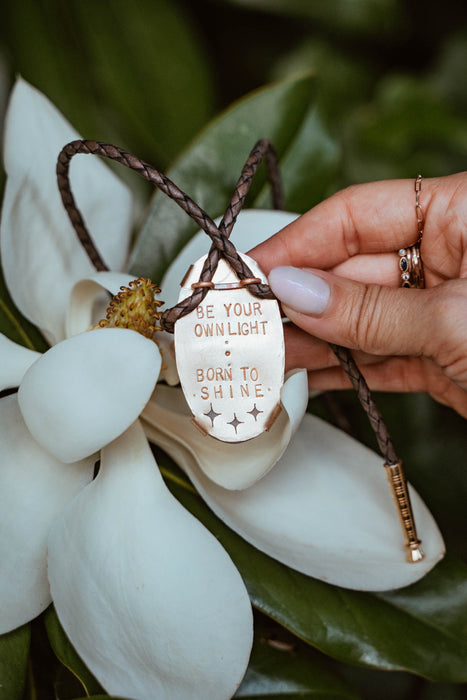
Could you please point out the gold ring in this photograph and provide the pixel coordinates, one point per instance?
(410, 259)
(411, 267)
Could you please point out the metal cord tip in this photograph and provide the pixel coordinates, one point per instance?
(415, 553)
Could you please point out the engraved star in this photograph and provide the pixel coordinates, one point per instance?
(254, 412)
(211, 414)
(235, 422)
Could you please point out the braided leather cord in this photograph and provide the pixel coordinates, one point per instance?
(262, 149)
(365, 397)
(221, 246)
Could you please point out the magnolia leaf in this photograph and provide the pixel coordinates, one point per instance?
(344, 81)
(14, 649)
(118, 70)
(282, 667)
(143, 51)
(421, 629)
(210, 168)
(308, 167)
(408, 128)
(43, 53)
(15, 326)
(447, 73)
(66, 686)
(67, 655)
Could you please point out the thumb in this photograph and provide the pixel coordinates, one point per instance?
(377, 320)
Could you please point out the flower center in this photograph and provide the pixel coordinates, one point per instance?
(135, 307)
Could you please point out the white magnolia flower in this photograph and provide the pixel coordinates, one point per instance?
(147, 596)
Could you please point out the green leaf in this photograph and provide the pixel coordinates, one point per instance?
(143, 51)
(43, 49)
(15, 326)
(282, 667)
(14, 649)
(66, 653)
(343, 81)
(308, 167)
(116, 69)
(210, 168)
(421, 629)
(442, 692)
(407, 129)
(447, 76)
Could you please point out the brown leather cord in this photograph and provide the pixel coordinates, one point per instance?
(365, 397)
(221, 246)
(261, 149)
(219, 235)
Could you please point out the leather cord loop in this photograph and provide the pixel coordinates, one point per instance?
(221, 246)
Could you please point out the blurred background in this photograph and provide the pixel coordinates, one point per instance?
(149, 74)
(392, 99)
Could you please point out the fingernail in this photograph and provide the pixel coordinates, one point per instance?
(302, 290)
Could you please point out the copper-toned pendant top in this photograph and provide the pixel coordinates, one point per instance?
(230, 356)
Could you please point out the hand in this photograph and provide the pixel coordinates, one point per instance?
(336, 272)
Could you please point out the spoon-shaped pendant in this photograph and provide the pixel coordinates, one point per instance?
(230, 356)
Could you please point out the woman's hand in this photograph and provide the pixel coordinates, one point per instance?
(336, 272)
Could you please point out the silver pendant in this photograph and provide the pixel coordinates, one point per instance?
(230, 356)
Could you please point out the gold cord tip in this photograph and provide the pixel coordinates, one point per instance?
(415, 553)
(398, 484)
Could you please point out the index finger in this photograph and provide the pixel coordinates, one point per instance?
(375, 217)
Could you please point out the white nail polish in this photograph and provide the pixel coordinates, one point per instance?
(302, 290)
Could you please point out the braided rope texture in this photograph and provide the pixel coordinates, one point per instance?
(358, 381)
(220, 247)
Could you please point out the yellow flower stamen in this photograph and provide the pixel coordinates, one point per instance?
(135, 307)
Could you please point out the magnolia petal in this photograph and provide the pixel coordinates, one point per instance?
(41, 255)
(148, 597)
(325, 510)
(88, 304)
(34, 488)
(85, 391)
(231, 465)
(169, 372)
(252, 227)
(88, 301)
(16, 359)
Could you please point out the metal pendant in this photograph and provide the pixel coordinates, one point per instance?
(230, 356)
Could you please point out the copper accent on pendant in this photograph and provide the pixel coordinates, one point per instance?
(230, 355)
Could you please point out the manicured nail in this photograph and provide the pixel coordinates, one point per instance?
(302, 290)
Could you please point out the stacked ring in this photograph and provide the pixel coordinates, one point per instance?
(411, 267)
(410, 260)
